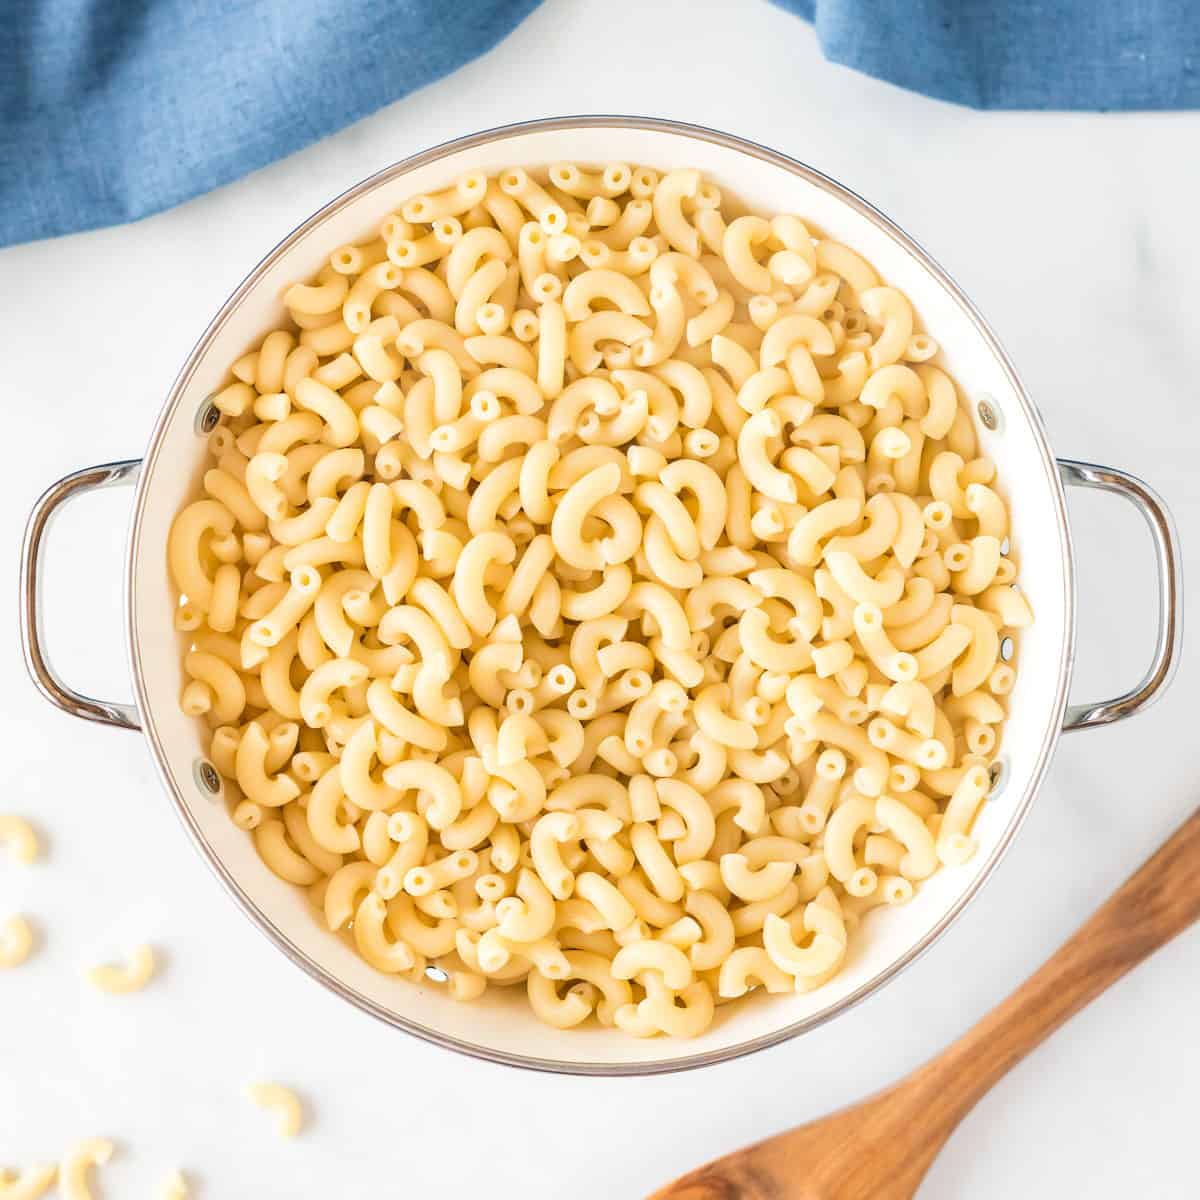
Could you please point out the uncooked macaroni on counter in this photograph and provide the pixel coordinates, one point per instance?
(597, 592)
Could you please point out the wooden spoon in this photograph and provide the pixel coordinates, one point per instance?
(880, 1149)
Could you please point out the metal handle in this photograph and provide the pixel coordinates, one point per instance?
(1170, 593)
(47, 680)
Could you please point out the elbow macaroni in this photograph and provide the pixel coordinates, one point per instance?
(129, 977)
(280, 1100)
(16, 941)
(19, 836)
(73, 1170)
(29, 1183)
(592, 589)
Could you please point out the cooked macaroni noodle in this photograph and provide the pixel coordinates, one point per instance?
(174, 1186)
(28, 1184)
(16, 941)
(73, 1170)
(280, 1100)
(19, 836)
(598, 591)
(128, 977)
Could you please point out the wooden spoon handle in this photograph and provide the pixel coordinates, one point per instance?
(1160, 900)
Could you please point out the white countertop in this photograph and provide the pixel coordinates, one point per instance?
(1076, 236)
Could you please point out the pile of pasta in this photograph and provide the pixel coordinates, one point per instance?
(599, 592)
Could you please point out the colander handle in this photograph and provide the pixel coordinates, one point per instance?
(1170, 593)
(43, 674)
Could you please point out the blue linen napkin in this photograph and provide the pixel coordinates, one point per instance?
(1030, 54)
(114, 109)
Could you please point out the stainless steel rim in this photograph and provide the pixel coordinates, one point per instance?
(1045, 750)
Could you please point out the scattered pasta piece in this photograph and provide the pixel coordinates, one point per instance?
(73, 1170)
(174, 1187)
(19, 836)
(127, 977)
(16, 941)
(280, 1100)
(27, 1184)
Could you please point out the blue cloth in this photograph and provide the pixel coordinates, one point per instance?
(1043, 54)
(114, 109)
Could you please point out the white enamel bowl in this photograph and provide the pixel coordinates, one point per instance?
(501, 1026)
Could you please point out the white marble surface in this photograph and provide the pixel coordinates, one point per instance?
(1076, 236)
